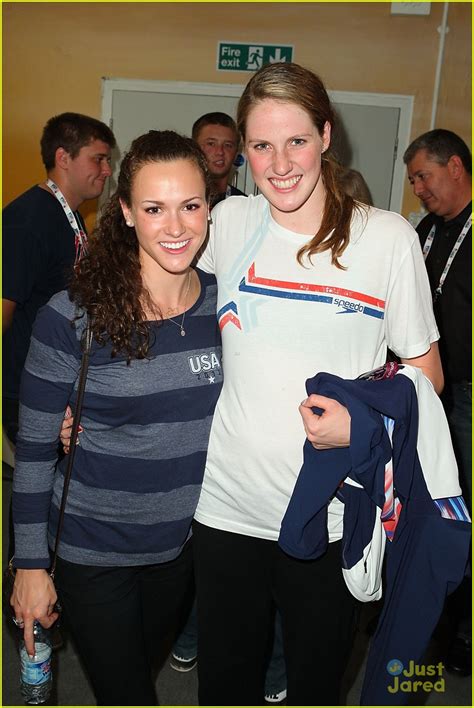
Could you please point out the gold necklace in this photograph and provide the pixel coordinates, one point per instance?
(181, 326)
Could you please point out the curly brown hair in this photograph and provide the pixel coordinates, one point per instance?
(292, 83)
(107, 283)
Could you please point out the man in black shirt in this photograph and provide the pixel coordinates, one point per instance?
(44, 235)
(439, 167)
(218, 137)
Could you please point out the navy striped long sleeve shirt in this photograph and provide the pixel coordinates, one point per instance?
(139, 466)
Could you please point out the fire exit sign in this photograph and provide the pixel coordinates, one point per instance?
(250, 57)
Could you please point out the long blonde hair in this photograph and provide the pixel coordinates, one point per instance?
(292, 83)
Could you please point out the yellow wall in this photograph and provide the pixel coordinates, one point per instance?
(56, 53)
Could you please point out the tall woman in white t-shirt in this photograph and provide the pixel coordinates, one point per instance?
(308, 281)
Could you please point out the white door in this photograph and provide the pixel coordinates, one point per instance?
(368, 143)
(372, 126)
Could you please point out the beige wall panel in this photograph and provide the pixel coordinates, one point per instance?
(56, 53)
(456, 79)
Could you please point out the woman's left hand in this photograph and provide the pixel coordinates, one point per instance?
(332, 428)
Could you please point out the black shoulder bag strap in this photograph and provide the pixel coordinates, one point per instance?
(72, 444)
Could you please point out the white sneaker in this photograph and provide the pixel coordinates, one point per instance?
(275, 698)
(179, 663)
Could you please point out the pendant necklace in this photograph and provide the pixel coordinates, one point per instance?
(181, 326)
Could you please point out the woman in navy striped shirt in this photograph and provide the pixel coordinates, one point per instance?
(154, 377)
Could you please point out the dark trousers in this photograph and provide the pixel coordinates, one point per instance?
(239, 579)
(119, 618)
(10, 408)
(457, 401)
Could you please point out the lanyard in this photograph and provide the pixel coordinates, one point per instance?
(79, 233)
(455, 249)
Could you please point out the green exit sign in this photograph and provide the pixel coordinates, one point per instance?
(250, 57)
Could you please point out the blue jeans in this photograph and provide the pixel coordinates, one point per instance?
(275, 677)
(186, 644)
(186, 647)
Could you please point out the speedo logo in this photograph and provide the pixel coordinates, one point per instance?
(348, 306)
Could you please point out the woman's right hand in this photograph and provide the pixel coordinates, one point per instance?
(330, 429)
(66, 430)
(34, 597)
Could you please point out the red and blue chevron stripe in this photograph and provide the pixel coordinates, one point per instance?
(341, 297)
(228, 313)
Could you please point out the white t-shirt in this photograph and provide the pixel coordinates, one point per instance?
(282, 323)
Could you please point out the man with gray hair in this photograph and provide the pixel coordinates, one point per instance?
(439, 167)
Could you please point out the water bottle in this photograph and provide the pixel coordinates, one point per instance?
(36, 676)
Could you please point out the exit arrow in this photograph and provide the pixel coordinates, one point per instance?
(277, 57)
